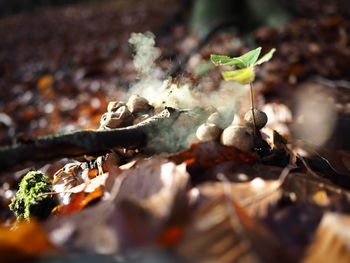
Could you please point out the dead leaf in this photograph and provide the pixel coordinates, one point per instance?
(201, 156)
(75, 178)
(25, 240)
(279, 116)
(210, 236)
(331, 241)
(78, 202)
(319, 167)
(66, 178)
(273, 138)
(222, 231)
(208, 154)
(90, 185)
(256, 196)
(264, 243)
(306, 188)
(153, 183)
(137, 211)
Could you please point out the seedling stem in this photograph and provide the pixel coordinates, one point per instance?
(252, 105)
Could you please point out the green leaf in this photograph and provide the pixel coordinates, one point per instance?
(266, 57)
(243, 61)
(219, 60)
(242, 76)
(250, 57)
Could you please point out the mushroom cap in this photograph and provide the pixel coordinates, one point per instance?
(114, 105)
(138, 104)
(120, 118)
(260, 118)
(220, 119)
(217, 119)
(208, 132)
(238, 136)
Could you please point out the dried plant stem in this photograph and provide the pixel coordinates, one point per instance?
(252, 105)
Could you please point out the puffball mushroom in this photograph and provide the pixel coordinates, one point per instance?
(138, 104)
(260, 119)
(216, 118)
(238, 136)
(208, 132)
(115, 105)
(120, 118)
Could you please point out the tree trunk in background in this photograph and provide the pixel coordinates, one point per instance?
(246, 15)
(206, 14)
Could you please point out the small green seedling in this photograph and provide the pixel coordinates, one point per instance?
(245, 73)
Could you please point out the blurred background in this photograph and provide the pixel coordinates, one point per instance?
(62, 61)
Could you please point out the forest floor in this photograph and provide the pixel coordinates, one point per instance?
(59, 69)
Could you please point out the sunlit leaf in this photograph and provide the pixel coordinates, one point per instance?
(242, 76)
(78, 202)
(243, 61)
(266, 57)
(156, 193)
(331, 241)
(255, 196)
(90, 185)
(219, 60)
(220, 231)
(250, 57)
(210, 236)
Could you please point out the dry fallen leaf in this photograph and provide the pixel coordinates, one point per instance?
(331, 241)
(89, 185)
(153, 183)
(256, 196)
(135, 211)
(66, 178)
(222, 231)
(25, 240)
(75, 178)
(279, 116)
(208, 154)
(306, 188)
(210, 236)
(79, 201)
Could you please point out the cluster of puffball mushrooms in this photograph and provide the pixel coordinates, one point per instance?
(216, 128)
(122, 114)
(234, 134)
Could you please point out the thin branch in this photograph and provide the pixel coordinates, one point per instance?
(82, 142)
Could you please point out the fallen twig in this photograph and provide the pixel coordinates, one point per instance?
(82, 142)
